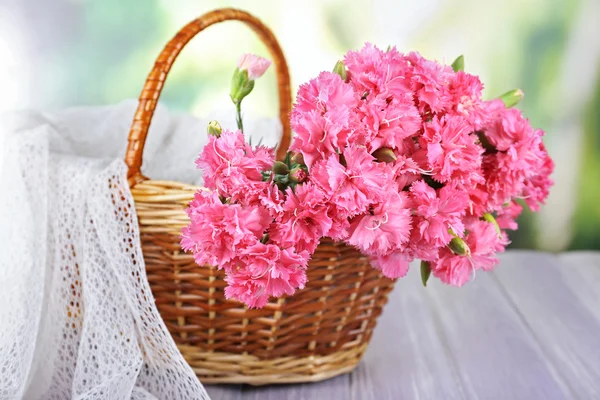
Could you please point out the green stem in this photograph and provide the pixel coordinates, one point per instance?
(238, 116)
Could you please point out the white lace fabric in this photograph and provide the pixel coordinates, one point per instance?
(77, 316)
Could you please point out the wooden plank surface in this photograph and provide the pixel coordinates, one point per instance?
(567, 332)
(528, 330)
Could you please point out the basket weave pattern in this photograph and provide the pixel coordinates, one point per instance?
(320, 332)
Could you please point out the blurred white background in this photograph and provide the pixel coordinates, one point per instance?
(59, 53)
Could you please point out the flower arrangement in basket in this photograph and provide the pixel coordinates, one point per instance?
(394, 158)
(395, 155)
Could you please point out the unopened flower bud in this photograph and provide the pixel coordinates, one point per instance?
(458, 246)
(280, 168)
(490, 218)
(459, 64)
(340, 69)
(512, 97)
(214, 129)
(298, 175)
(384, 154)
(297, 158)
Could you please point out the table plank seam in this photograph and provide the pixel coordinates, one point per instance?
(543, 351)
(451, 361)
(351, 383)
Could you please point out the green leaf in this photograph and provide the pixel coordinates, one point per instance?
(512, 97)
(287, 158)
(459, 63)
(425, 272)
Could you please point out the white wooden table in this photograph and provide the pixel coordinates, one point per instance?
(529, 330)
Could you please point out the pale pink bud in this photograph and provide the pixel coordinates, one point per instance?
(255, 65)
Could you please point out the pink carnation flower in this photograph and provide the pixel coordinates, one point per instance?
(450, 150)
(430, 82)
(465, 90)
(435, 214)
(233, 168)
(504, 179)
(272, 199)
(537, 186)
(385, 229)
(305, 219)
(508, 128)
(325, 92)
(322, 117)
(218, 232)
(372, 71)
(265, 270)
(367, 70)
(242, 287)
(402, 156)
(393, 265)
(507, 215)
(406, 171)
(318, 136)
(356, 186)
(519, 159)
(389, 121)
(484, 243)
(255, 65)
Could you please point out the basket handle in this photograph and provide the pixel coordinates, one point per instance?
(155, 82)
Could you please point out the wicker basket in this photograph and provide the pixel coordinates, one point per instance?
(320, 332)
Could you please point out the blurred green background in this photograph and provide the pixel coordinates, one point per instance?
(59, 53)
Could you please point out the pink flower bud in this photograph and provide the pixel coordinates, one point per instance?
(298, 175)
(255, 65)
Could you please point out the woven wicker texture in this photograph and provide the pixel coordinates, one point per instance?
(320, 332)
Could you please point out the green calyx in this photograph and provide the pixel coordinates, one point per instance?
(287, 173)
(241, 86)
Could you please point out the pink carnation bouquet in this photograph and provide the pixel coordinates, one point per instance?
(394, 154)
